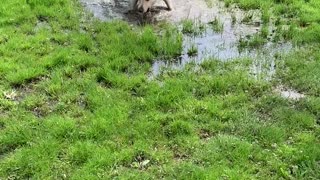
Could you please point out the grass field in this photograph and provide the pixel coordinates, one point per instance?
(76, 101)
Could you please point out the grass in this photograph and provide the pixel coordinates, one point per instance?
(76, 103)
(216, 25)
(193, 50)
(191, 27)
(247, 18)
(301, 74)
(255, 41)
(303, 15)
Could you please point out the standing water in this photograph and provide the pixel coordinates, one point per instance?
(221, 45)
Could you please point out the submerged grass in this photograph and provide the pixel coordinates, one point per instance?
(77, 104)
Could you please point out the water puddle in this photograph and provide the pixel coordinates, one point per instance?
(107, 10)
(288, 93)
(209, 45)
(225, 47)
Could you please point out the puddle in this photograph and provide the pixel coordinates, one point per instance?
(222, 46)
(107, 10)
(288, 93)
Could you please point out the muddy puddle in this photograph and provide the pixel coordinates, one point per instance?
(223, 45)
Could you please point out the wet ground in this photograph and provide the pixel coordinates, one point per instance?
(107, 10)
(222, 45)
(288, 93)
(225, 47)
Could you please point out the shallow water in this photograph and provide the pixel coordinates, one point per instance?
(107, 10)
(222, 46)
(225, 47)
(288, 93)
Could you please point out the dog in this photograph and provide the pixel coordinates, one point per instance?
(146, 5)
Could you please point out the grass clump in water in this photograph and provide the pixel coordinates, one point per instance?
(191, 27)
(252, 42)
(193, 50)
(217, 25)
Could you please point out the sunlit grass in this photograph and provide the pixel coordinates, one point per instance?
(76, 103)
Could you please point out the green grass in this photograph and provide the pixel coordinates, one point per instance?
(193, 50)
(76, 103)
(303, 15)
(217, 25)
(191, 27)
(252, 42)
(301, 70)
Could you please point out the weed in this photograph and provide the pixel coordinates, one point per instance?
(193, 50)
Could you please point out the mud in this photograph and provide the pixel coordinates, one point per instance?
(222, 46)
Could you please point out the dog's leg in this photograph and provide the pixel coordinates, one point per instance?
(169, 5)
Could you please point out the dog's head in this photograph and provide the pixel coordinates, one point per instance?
(145, 5)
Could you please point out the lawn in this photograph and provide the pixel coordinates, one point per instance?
(77, 101)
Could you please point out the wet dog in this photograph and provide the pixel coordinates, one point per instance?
(146, 5)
